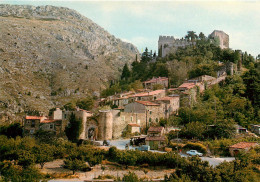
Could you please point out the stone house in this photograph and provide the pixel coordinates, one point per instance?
(188, 93)
(148, 96)
(255, 129)
(32, 124)
(241, 146)
(122, 99)
(134, 128)
(144, 112)
(163, 81)
(155, 137)
(52, 126)
(171, 104)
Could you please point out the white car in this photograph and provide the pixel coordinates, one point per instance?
(194, 152)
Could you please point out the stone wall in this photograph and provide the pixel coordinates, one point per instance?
(169, 44)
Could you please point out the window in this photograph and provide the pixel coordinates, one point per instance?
(51, 126)
(33, 123)
(150, 112)
(132, 118)
(123, 118)
(31, 131)
(28, 122)
(156, 120)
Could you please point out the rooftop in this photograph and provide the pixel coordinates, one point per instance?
(168, 98)
(48, 121)
(33, 117)
(243, 145)
(187, 85)
(143, 94)
(155, 129)
(134, 125)
(155, 80)
(155, 138)
(147, 103)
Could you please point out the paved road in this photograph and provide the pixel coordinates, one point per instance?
(120, 144)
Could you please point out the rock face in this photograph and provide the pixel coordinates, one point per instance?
(52, 55)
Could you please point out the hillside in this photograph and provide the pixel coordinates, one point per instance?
(52, 55)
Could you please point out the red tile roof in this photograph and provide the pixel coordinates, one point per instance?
(155, 129)
(33, 117)
(144, 94)
(155, 138)
(48, 121)
(243, 145)
(147, 103)
(172, 89)
(155, 80)
(134, 125)
(187, 85)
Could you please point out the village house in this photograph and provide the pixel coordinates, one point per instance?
(143, 113)
(58, 122)
(242, 146)
(163, 81)
(134, 128)
(171, 104)
(32, 124)
(255, 129)
(156, 137)
(148, 96)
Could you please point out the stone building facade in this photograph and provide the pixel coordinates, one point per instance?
(163, 81)
(223, 38)
(168, 44)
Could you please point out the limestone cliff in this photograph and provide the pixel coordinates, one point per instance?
(52, 55)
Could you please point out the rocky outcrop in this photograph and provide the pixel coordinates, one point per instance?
(52, 55)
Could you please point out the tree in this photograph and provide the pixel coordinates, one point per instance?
(86, 103)
(202, 36)
(12, 130)
(193, 130)
(43, 153)
(70, 106)
(74, 128)
(125, 73)
(191, 35)
(74, 165)
(26, 158)
(252, 82)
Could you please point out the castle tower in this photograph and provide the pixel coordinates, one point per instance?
(223, 38)
(105, 126)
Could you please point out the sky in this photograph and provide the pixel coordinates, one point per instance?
(141, 22)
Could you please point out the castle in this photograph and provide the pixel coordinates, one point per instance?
(168, 44)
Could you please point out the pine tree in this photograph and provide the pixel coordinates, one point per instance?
(74, 128)
(125, 73)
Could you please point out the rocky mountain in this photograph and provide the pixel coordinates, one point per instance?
(52, 55)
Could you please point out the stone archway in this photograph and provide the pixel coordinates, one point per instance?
(91, 133)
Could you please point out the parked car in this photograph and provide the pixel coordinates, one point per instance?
(144, 148)
(106, 142)
(194, 152)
